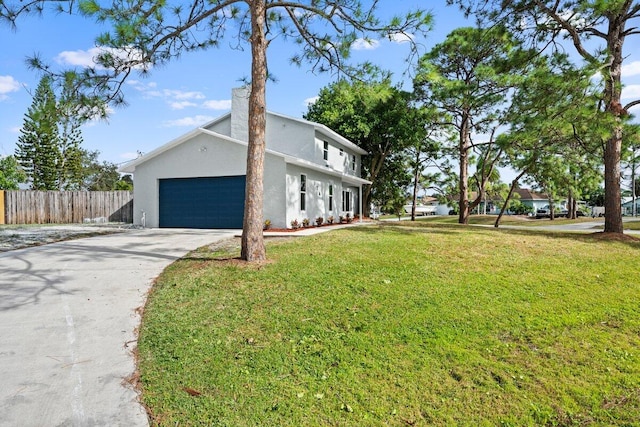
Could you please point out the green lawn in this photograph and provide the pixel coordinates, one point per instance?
(519, 220)
(410, 324)
(632, 225)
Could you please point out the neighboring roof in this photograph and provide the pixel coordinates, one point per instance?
(131, 166)
(526, 194)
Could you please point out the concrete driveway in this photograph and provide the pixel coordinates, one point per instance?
(68, 316)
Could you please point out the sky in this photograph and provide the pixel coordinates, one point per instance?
(196, 88)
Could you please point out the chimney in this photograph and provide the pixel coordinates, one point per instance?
(240, 113)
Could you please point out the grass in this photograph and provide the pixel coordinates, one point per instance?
(632, 225)
(399, 324)
(506, 220)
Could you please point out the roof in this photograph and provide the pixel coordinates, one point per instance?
(526, 194)
(324, 130)
(318, 127)
(131, 166)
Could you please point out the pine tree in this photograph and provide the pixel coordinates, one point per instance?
(38, 144)
(70, 120)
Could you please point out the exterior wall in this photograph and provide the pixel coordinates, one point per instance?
(275, 191)
(291, 137)
(301, 140)
(240, 113)
(199, 157)
(191, 160)
(223, 127)
(317, 196)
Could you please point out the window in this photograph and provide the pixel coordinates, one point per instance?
(330, 197)
(353, 162)
(325, 153)
(303, 192)
(346, 200)
(341, 152)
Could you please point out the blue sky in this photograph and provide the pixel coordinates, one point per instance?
(188, 92)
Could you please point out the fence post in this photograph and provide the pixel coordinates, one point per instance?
(2, 214)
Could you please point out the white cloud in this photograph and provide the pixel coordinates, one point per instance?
(141, 86)
(7, 85)
(87, 58)
(181, 105)
(631, 92)
(401, 37)
(181, 95)
(631, 69)
(224, 104)
(363, 44)
(82, 58)
(310, 101)
(188, 121)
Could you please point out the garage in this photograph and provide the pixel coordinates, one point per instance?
(211, 202)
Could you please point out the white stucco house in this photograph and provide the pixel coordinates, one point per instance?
(198, 179)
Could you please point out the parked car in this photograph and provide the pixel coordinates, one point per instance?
(543, 213)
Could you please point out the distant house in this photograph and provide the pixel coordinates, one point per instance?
(527, 197)
(627, 206)
(532, 199)
(198, 179)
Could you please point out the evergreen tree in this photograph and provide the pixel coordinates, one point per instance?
(70, 119)
(11, 175)
(37, 149)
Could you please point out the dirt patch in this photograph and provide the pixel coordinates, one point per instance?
(614, 237)
(24, 236)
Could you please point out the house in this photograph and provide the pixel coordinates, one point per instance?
(532, 199)
(198, 179)
(627, 206)
(527, 197)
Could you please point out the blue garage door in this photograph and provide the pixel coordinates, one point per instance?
(216, 202)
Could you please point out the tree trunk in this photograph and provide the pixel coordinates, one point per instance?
(376, 165)
(416, 176)
(514, 183)
(463, 216)
(613, 147)
(253, 248)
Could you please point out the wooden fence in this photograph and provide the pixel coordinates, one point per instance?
(67, 207)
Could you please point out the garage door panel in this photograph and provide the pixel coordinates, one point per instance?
(210, 202)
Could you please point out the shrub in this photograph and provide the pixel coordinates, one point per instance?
(330, 219)
(305, 222)
(267, 224)
(295, 224)
(319, 221)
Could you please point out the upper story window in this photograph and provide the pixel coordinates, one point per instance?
(341, 152)
(325, 151)
(353, 162)
(303, 192)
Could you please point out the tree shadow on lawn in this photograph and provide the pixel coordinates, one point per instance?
(411, 228)
(451, 229)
